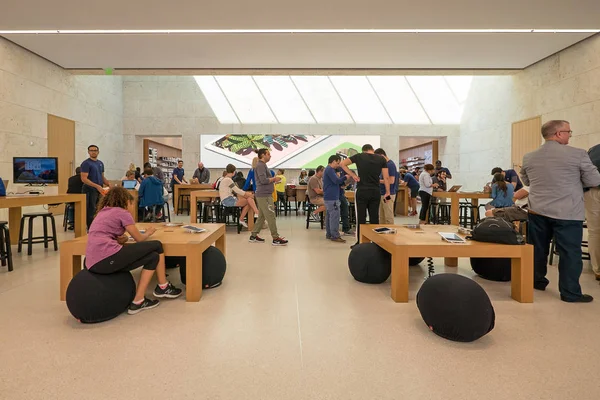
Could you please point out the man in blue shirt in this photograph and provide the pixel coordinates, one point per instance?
(331, 196)
(92, 176)
(386, 206)
(510, 175)
(438, 167)
(2, 188)
(177, 179)
(408, 180)
(345, 207)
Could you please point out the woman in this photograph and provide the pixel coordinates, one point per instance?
(303, 178)
(105, 253)
(502, 194)
(426, 187)
(129, 176)
(228, 191)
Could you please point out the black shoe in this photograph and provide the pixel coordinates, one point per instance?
(585, 298)
(256, 239)
(540, 286)
(145, 305)
(170, 291)
(279, 241)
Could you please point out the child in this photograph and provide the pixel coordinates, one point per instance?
(105, 253)
(280, 186)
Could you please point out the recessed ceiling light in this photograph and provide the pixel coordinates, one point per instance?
(279, 31)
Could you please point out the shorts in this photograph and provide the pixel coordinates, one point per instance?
(510, 214)
(414, 192)
(229, 201)
(317, 201)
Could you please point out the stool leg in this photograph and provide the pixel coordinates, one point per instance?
(30, 237)
(45, 223)
(20, 244)
(54, 234)
(8, 248)
(2, 251)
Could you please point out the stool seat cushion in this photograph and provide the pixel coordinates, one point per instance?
(95, 298)
(369, 263)
(493, 269)
(37, 214)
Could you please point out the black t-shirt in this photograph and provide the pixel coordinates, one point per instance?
(594, 153)
(369, 168)
(75, 184)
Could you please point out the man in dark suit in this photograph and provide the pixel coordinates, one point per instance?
(75, 186)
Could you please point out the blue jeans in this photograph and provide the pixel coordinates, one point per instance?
(332, 223)
(345, 213)
(568, 235)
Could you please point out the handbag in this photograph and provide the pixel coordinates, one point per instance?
(496, 230)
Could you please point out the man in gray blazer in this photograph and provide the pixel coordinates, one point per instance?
(556, 175)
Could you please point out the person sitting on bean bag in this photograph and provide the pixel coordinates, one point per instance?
(106, 254)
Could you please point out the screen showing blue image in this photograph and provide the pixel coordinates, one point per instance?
(35, 169)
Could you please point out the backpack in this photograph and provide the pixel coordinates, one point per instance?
(496, 230)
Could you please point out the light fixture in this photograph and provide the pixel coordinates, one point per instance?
(278, 31)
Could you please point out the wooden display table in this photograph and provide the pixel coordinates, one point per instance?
(176, 242)
(16, 202)
(179, 189)
(402, 201)
(455, 198)
(301, 192)
(211, 195)
(426, 242)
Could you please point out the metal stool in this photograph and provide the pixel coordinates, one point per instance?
(68, 206)
(5, 251)
(183, 199)
(226, 212)
(31, 240)
(310, 208)
(290, 193)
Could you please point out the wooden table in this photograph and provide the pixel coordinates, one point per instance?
(15, 203)
(176, 242)
(178, 189)
(210, 195)
(301, 192)
(455, 198)
(426, 242)
(402, 201)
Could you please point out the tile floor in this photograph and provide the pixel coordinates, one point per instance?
(291, 323)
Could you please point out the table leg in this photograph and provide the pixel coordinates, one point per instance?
(451, 261)
(220, 244)
(80, 218)
(70, 265)
(250, 219)
(175, 198)
(399, 280)
(193, 208)
(521, 284)
(363, 238)
(475, 203)
(454, 216)
(193, 270)
(405, 202)
(14, 222)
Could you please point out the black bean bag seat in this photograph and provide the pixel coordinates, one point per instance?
(415, 261)
(95, 298)
(493, 269)
(369, 263)
(213, 267)
(455, 307)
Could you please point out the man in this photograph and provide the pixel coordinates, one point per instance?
(315, 192)
(370, 167)
(386, 205)
(201, 174)
(156, 171)
(412, 183)
(331, 195)
(438, 167)
(75, 185)
(558, 212)
(177, 179)
(510, 175)
(592, 215)
(264, 200)
(92, 176)
(344, 205)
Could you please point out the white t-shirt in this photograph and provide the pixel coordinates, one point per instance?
(425, 182)
(525, 200)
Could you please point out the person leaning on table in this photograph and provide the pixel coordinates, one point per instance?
(558, 212)
(592, 215)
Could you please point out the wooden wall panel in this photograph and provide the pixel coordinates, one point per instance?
(61, 144)
(526, 137)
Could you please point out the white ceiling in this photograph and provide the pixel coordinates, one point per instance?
(312, 51)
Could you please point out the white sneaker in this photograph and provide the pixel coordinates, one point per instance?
(244, 224)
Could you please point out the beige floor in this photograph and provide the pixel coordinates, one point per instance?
(291, 323)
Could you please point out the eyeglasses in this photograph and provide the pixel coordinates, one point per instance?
(569, 132)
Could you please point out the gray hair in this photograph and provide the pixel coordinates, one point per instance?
(550, 128)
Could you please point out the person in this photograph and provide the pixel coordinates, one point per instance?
(129, 175)
(345, 205)
(151, 195)
(331, 196)
(592, 215)
(558, 213)
(303, 178)
(228, 191)
(440, 178)
(138, 174)
(3, 189)
(264, 200)
(370, 167)
(250, 184)
(315, 192)
(409, 181)
(280, 186)
(518, 212)
(201, 174)
(386, 205)
(105, 253)
(439, 167)
(75, 185)
(178, 178)
(509, 175)
(239, 179)
(502, 193)
(92, 176)
(218, 181)
(426, 187)
(156, 171)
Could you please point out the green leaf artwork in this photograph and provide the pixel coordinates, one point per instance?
(246, 144)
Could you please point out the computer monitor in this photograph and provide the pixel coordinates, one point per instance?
(35, 170)
(129, 184)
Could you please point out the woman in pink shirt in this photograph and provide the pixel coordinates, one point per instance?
(105, 253)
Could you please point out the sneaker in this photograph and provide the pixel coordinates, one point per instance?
(256, 239)
(145, 305)
(338, 240)
(279, 241)
(244, 224)
(170, 291)
(349, 233)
